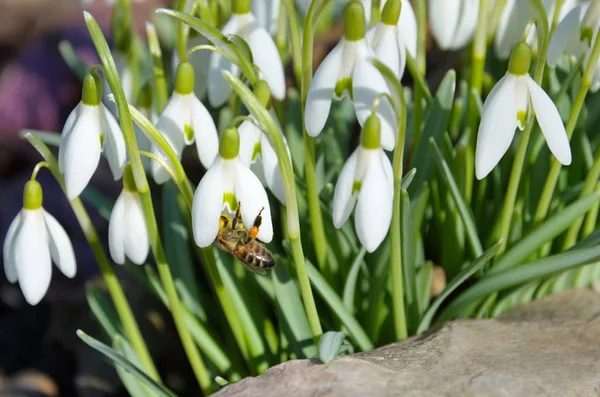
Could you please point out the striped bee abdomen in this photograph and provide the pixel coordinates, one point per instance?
(254, 254)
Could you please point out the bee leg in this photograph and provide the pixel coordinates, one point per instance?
(238, 215)
(255, 227)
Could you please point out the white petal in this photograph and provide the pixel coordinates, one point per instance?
(367, 83)
(407, 27)
(81, 150)
(218, 88)
(467, 25)
(32, 256)
(250, 136)
(266, 13)
(271, 169)
(66, 130)
(497, 127)
(200, 61)
(207, 205)
(320, 93)
(266, 56)
(114, 144)
(550, 122)
(8, 249)
(373, 213)
(386, 48)
(207, 139)
(61, 249)
(171, 124)
(367, 5)
(444, 18)
(565, 35)
(117, 230)
(253, 197)
(136, 240)
(343, 199)
(514, 18)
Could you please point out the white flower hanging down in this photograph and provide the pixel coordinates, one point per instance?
(346, 70)
(199, 60)
(185, 120)
(574, 36)
(367, 181)
(267, 14)
(264, 53)
(385, 40)
(227, 182)
(508, 106)
(453, 22)
(127, 229)
(34, 240)
(90, 129)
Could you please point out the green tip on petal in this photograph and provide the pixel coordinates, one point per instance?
(92, 89)
(32, 195)
(371, 133)
(263, 93)
(145, 96)
(184, 78)
(128, 179)
(520, 59)
(241, 7)
(391, 12)
(229, 144)
(355, 25)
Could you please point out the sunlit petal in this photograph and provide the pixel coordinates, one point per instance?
(207, 140)
(266, 13)
(250, 136)
(66, 130)
(207, 205)
(117, 231)
(271, 169)
(171, 124)
(343, 199)
(218, 88)
(114, 144)
(266, 57)
(253, 197)
(61, 249)
(407, 27)
(386, 48)
(136, 240)
(566, 36)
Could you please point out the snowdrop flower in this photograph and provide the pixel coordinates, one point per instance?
(347, 70)
(407, 23)
(515, 17)
(90, 129)
(199, 60)
(574, 36)
(127, 229)
(227, 182)
(385, 41)
(34, 240)
(366, 180)
(184, 120)
(267, 13)
(264, 53)
(508, 106)
(453, 22)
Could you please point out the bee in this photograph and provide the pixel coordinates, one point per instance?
(233, 237)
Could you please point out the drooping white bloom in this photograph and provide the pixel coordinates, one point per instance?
(515, 17)
(89, 130)
(34, 240)
(385, 40)
(227, 182)
(508, 106)
(347, 70)
(267, 13)
(570, 38)
(453, 22)
(366, 181)
(185, 120)
(127, 229)
(264, 53)
(407, 24)
(257, 152)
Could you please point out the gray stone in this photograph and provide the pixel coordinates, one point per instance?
(550, 347)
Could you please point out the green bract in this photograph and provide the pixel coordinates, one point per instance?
(520, 59)
(229, 144)
(371, 133)
(128, 181)
(354, 21)
(184, 78)
(92, 91)
(241, 7)
(32, 195)
(391, 12)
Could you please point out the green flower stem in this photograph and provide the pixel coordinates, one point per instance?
(506, 215)
(287, 173)
(555, 17)
(398, 308)
(132, 330)
(295, 38)
(478, 61)
(141, 182)
(555, 167)
(310, 173)
(421, 14)
(180, 34)
(160, 81)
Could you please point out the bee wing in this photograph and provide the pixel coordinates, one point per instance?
(252, 268)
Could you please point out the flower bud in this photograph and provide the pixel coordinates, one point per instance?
(128, 179)
(263, 93)
(229, 144)
(121, 26)
(241, 7)
(520, 59)
(184, 78)
(32, 195)
(371, 133)
(354, 21)
(590, 21)
(91, 93)
(391, 12)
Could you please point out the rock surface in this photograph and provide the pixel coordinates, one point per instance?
(546, 348)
